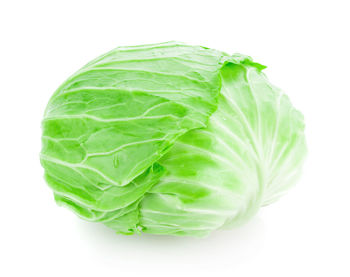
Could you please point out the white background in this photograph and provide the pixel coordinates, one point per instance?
(306, 46)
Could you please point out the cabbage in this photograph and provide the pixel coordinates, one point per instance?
(170, 139)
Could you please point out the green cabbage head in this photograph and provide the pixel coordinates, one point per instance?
(170, 139)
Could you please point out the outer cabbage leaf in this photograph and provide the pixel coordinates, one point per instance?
(248, 156)
(112, 120)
